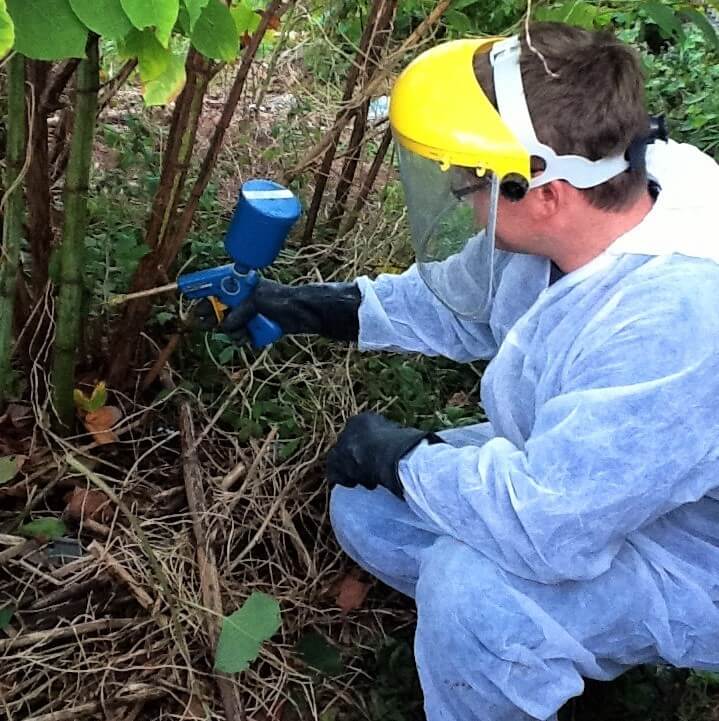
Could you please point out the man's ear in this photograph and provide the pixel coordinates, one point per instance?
(546, 200)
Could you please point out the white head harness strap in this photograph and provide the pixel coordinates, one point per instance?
(512, 106)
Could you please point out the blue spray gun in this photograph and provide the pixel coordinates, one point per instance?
(263, 217)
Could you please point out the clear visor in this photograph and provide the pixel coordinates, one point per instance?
(452, 216)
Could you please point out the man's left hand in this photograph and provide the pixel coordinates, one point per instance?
(369, 450)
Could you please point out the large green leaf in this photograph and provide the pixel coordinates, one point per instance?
(44, 528)
(158, 14)
(244, 632)
(152, 58)
(215, 34)
(701, 21)
(47, 29)
(7, 30)
(104, 17)
(246, 19)
(8, 469)
(194, 10)
(663, 16)
(167, 86)
(6, 615)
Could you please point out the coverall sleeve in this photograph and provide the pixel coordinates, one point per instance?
(622, 442)
(400, 313)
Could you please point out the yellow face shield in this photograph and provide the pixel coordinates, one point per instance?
(455, 153)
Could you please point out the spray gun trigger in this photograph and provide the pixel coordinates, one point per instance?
(219, 307)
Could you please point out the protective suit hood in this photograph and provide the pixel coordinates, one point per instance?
(683, 219)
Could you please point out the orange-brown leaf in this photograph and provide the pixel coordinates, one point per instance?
(351, 593)
(92, 504)
(100, 423)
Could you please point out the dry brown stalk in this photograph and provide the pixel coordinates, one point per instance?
(67, 592)
(342, 117)
(209, 578)
(18, 550)
(115, 569)
(162, 359)
(56, 85)
(368, 182)
(114, 85)
(272, 13)
(252, 471)
(135, 693)
(368, 90)
(56, 634)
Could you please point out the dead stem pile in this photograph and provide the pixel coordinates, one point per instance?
(97, 630)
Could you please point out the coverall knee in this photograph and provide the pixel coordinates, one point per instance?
(490, 645)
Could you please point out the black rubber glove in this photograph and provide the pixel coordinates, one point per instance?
(327, 309)
(368, 452)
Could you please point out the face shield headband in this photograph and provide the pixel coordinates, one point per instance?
(512, 106)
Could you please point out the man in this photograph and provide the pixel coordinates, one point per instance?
(576, 533)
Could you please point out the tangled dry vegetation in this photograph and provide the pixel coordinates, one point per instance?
(177, 521)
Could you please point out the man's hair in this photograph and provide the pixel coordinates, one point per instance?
(595, 106)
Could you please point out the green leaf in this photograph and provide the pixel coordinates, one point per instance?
(663, 16)
(7, 30)
(8, 469)
(47, 29)
(152, 57)
(701, 21)
(168, 86)
(246, 19)
(244, 632)
(316, 652)
(44, 528)
(194, 10)
(226, 354)
(6, 615)
(104, 17)
(98, 398)
(158, 14)
(458, 21)
(215, 34)
(574, 12)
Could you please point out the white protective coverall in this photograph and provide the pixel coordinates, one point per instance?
(577, 532)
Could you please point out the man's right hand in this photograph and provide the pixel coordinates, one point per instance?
(327, 309)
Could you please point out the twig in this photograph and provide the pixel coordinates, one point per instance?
(56, 85)
(115, 569)
(231, 478)
(18, 550)
(159, 364)
(125, 297)
(67, 592)
(255, 465)
(55, 634)
(368, 181)
(112, 86)
(141, 694)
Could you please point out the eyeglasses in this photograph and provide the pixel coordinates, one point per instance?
(476, 185)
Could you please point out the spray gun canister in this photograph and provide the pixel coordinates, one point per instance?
(264, 214)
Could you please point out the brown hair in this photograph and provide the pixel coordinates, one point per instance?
(595, 106)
